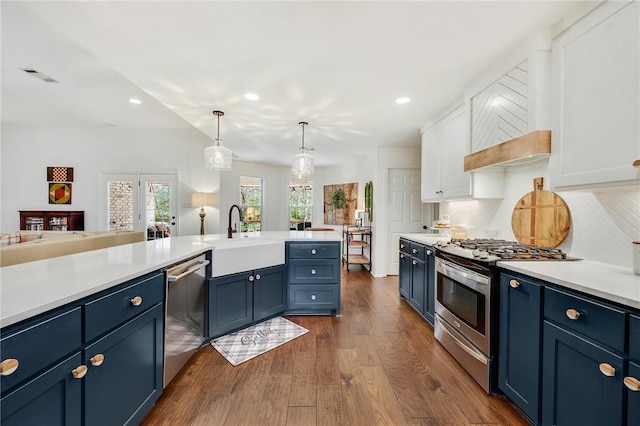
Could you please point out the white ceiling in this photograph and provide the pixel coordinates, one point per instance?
(337, 65)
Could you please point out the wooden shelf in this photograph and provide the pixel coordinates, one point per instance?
(358, 244)
(356, 238)
(356, 259)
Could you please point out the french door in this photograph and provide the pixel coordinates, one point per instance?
(139, 202)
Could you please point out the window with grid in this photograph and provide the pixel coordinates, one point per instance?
(300, 205)
(251, 203)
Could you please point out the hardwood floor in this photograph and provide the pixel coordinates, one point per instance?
(378, 364)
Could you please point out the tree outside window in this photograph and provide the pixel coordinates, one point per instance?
(251, 204)
(300, 204)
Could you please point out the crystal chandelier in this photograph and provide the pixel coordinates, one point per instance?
(216, 156)
(302, 163)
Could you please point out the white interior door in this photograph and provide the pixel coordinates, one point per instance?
(139, 202)
(405, 210)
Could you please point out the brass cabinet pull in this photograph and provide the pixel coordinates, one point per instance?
(313, 297)
(607, 369)
(514, 283)
(136, 301)
(573, 314)
(8, 366)
(257, 276)
(632, 383)
(79, 372)
(97, 360)
(636, 163)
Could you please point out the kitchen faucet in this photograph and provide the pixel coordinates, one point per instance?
(229, 230)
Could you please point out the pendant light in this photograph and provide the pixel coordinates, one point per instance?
(216, 156)
(302, 163)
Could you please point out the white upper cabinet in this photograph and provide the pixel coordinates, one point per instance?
(596, 100)
(444, 145)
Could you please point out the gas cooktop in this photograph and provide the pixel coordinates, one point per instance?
(490, 250)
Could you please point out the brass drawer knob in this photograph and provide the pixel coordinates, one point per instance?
(79, 372)
(632, 383)
(136, 301)
(607, 369)
(97, 360)
(573, 314)
(514, 283)
(8, 366)
(636, 163)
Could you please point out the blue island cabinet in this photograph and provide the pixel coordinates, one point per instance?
(520, 346)
(96, 361)
(417, 277)
(238, 300)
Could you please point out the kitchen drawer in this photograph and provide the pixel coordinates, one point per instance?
(315, 298)
(36, 345)
(418, 251)
(314, 250)
(302, 271)
(404, 246)
(634, 337)
(597, 321)
(112, 309)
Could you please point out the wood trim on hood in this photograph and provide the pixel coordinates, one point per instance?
(523, 149)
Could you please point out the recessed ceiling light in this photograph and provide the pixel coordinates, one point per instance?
(251, 96)
(135, 101)
(403, 100)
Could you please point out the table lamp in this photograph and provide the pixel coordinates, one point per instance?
(202, 199)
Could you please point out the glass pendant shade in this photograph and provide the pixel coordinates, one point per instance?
(302, 166)
(217, 157)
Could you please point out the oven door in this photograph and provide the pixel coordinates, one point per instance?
(463, 301)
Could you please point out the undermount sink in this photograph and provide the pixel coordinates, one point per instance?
(235, 255)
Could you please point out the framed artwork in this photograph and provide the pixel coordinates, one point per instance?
(340, 202)
(59, 174)
(59, 193)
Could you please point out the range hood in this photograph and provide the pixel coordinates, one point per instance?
(525, 149)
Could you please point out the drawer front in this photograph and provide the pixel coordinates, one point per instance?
(597, 321)
(40, 344)
(107, 312)
(311, 297)
(634, 337)
(418, 251)
(314, 250)
(404, 246)
(314, 271)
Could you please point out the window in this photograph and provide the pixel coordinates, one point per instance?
(251, 204)
(300, 205)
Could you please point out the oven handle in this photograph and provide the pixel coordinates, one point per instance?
(473, 352)
(467, 265)
(454, 271)
(191, 270)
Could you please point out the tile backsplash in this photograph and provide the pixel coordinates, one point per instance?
(603, 222)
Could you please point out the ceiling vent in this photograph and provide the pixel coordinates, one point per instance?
(522, 150)
(38, 74)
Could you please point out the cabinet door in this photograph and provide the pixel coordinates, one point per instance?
(596, 97)
(575, 391)
(122, 389)
(404, 277)
(51, 398)
(633, 397)
(431, 176)
(455, 145)
(521, 343)
(416, 293)
(230, 303)
(269, 292)
(429, 284)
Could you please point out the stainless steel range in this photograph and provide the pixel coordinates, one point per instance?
(466, 318)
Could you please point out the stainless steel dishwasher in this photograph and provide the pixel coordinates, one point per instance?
(185, 315)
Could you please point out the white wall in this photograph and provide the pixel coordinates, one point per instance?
(603, 223)
(26, 153)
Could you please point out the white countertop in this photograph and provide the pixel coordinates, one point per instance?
(33, 288)
(610, 282)
(429, 239)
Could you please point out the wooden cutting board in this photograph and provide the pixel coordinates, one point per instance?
(541, 217)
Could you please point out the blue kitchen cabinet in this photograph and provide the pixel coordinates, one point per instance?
(52, 398)
(632, 379)
(238, 300)
(125, 371)
(417, 277)
(313, 271)
(520, 347)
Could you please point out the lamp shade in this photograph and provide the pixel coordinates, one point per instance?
(201, 199)
(217, 157)
(302, 166)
